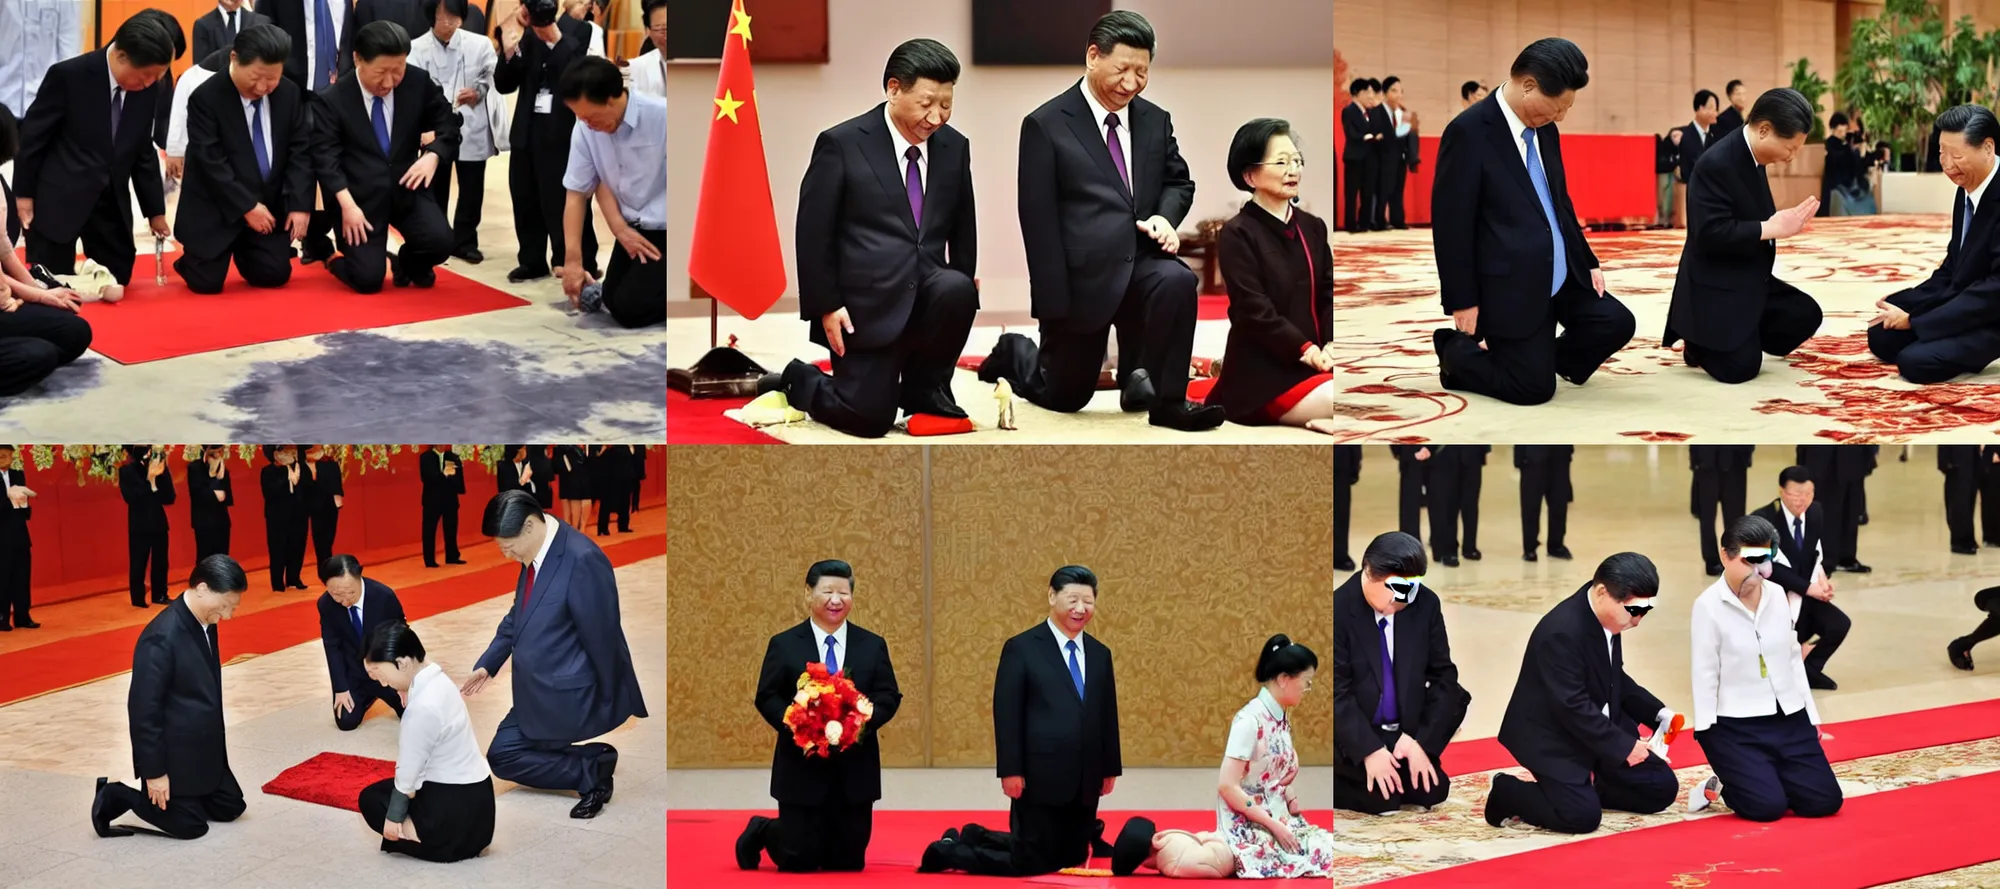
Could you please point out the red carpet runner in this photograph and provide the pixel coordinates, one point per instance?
(331, 779)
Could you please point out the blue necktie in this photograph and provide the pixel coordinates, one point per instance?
(1541, 181)
(325, 46)
(1966, 230)
(381, 125)
(257, 139)
(1798, 531)
(832, 663)
(1385, 709)
(354, 615)
(1075, 670)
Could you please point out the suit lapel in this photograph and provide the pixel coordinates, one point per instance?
(1089, 134)
(550, 565)
(943, 157)
(1368, 646)
(1405, 666)
(1142, 135)
(880, 147)
(1511, 156)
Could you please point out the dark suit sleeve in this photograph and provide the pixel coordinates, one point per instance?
(332, 622)
(820, 196)
(1354, 126)
(775, 689)
(210, 162)
(962, 246)
(1976, 306)
(510, 72)
(1041, 221)
(438, 118)
(593, 605)
(1250, 307)
(1445, 701)
(1722, 231)
(1176, 188)
(146, 704)
(299, 181)
(332, 480)
(40, 128)
(1010, 700)
(165, 492)
(1113, 755)
(1559, 671)
(1454, 215)
(205, 39)
(1639, 704)
(1353, 733)
(131, 486)
(884, 693)
(1685, 157)
(326, 133)
(147, 185)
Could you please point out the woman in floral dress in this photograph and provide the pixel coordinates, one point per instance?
(1257, 813)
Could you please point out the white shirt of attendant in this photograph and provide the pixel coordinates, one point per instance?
(1665, 713)
(1062, 647)
(1746, 665)
(177, 119)
(839, 637)
(434, 741)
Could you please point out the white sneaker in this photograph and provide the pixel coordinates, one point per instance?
(1705, 794)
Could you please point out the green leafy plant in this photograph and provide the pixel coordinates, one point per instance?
(1906, 66)
(1813, 87)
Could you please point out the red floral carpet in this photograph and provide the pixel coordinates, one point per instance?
(1831, 389)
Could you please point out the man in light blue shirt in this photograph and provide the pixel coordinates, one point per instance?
(620, 144)
(35, 34)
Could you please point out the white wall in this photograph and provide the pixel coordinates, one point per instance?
(798, 101)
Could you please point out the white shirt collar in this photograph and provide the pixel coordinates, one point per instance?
(1062, 640)
(1514, 123)
(224, 12)
(839, 641)
(1974, 195)
(1270, 703)
(1789, 514)
(109, 74)
(554, 525)
(1381, 616)
(1097, 111)
(1752, 142)
(430, 673)
(902, 144)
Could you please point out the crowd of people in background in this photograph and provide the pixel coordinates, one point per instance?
(1847, 183)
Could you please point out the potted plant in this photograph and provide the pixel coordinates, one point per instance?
(1906, 66)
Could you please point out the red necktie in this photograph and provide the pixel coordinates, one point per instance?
(530, 588)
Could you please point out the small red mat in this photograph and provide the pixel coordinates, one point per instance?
(331, 779)
(154, 322)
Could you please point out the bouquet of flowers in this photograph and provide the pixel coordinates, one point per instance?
(828, 713)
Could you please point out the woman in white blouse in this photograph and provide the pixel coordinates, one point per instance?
(439, 807)
(1753, 710)
(461, 63)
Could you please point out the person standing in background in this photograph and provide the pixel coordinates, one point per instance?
(1666, 151)
(1731, 118)
(1471, 93)
(210, 495)
(1399, 151)
(1721, 481)
(1838, 473)
(531, 65)
(1358, 157)
(1961, 467)
(443, 476)
(34, 35)
(611, 475)
(1452, 488)
(284, 516)
(1989, 494)
(1413, 470)
(325, 496)
(1346, 474)
(148, 489)
(1800, 568)
(573, 482)
(1544, 477)
(638, 455)
(648, 72)
(217, 28)
(461, 61)
(16, 549)
(1388, 156)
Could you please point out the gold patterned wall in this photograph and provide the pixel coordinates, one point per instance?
(1201, 553)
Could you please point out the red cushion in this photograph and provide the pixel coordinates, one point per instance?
(931, 424)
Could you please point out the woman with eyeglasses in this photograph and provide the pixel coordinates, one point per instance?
(1278, 266)
(1257, 813)
(1753, 708)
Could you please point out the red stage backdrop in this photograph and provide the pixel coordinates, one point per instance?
(80, 540)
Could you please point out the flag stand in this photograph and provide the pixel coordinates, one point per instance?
(724, 372)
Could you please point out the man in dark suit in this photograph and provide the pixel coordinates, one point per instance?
(1396, 697)
(826, 805)
(1097, 162)
(16, 547)
(1399, 151)
(529, 469)
(1961, 467)
(1512, 262)
(893, 306)
(1573, 720)
(533, 65)
(442, 474)
(1388, 156)
(1801, 568)
(1451, 487)
(374, 164)
(1055, 737)
(1697, 135)
(1721, 481)
(350, 609)
(283, 483)
(1346, 474)
(210, 495)
(1950, 324)
(1838, 473)
(573, 676)
(148, 489)
(613, 476)
(1413, 472)
(217, 29)
(408, 13)
(1727, 301)
(322, 34)
(87, 148)
(179, 749)
(249, 184)
(1471, 93)
(1731, 118)
(1544, 477)
(1357, 157)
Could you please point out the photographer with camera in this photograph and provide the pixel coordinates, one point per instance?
(532, 63)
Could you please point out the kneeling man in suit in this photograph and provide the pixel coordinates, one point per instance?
(1950, 324)
(349, 611)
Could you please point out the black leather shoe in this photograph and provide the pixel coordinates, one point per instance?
(430, 564)
(523, 274)
(1965, 550)
(1343, 563)
(1714, 569)
(937, 403)
(162, 600)
(607, 764)
(750, 843)
(1472, 554)
(315, 253)
(1529, 556)
(454, 561)
(1560, 552)
(27, 625)
(396, 275)
(1098, 847)
(97, 820)
(936, 857)
(470, 255)
(770, 383)
(591, 804)
(1821, 681)
(6, 628)
(1855, 567)
(1448, 561)
(1013, 356)
(1138, 394)
(1959, 653)
(1188, 417)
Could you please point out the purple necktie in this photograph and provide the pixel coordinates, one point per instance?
(1117, 150)
(1385, 710)
(117, 110)
(915, 184)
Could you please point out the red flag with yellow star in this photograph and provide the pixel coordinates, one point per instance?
(735, 256)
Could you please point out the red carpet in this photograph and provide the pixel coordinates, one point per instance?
(74, 661)
(155, 322)
(699, 421)
(1879, 838)
(331, 779)
(701, 847)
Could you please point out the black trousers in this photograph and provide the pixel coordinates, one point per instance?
(285, 540)
(1412, 477)
(435, 515)
(1771, 764)
(471, 201)
(1841, 498)
(1524, 371)
(426, 242)
(1723, 488)
(613, 500)
(1829, 623)
(868, 386)
(365, 694)
(1987, 600)
(106, 235)
(34, 341)
(1392, 175)
(1989, 500)
(635, 293)
(829, 837)
(1350, 785)
(1790, 318)
(1961, 495)
(325, 524)
(1577, 807)
(262, 260)
(1938, 360)
(1155, 322)
(186, 816)
(1453, 492)
(1544, 482)
(1359, 197)
(453, 822)
(144, 549)
(1041, 839)
(534, 178)
(211, 537)
(16, 570)
(1343, 509)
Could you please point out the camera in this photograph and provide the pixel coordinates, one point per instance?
(541, 13)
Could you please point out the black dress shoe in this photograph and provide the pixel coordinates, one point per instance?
(1529, 556)
(750, 843)
(97, 820)
(1965, 550)
(470, 255)
(1098, 847)
(430, 564)
(1188, 417)
(1344, 563)
(6, 628)
(1138, 394)
(936, 857)
(607, 764)
(1855, 567)
(590, 805)
(769, 383)
(1861, 519)
(937, 403)
(1448, 561)
(296, 586)
(454, 561)
(1013, 357)
(396, 275)
(523, 274)
(1472, 554)
(1714, 569)
(162, 600)
(315, 253)
(141, 603)
(1960, 653)
(27, 625)
(1821, 681)
(1560, 552)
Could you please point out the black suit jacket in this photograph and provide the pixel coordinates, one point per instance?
(222, 180)
(283, 502)
(1713, 458)
(1388, 150)
(212, 33)
(1280, 301)
(1346, 464)
(291, 16)
(1958, 458)
(175, 704)
(1554, 725)
(1833, 464)
(1430, 703)
(145, 505)
(14, 522)
(1803, 553)
(349, 156)
(344, 650)
(321, 485)
(204, 511)
(856, 773)
(858, 246)
(538, 66)
(408, 13)
(441, 490)
(1493, 244)
(540, 474)
(1078, 221)
(1691, 149)
(1063, 746)
(68, 156)
(1542, 455)
(1725, 272)
(1354, 125)
(1729, 121)
(1963, 293)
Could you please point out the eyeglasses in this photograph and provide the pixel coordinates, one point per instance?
(1290, 163)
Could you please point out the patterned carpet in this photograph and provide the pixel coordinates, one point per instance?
(1369, 850)
(1832, 390)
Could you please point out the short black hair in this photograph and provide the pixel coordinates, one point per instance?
(392, 641)
(922, 58)
(1703, 97)
(378, 39)
(646, 9)
(1390, 81)
(1785, 109)
(220, 573)
(1730, 89)
(342, 565)
(591, 79)
(1466, 89)
(1749, 530)
(1122, 26)
(138, 452)
(265, 44)
(1280, 656)
(829, 568)
(431, 7)
(1557, 65)
(1975, 122)
(172, 25)
(144, 41)
(1793, 475)
(1359, 85)
(1247, 148)
(1069, 574)
(1628, 576)
(1395, 554)
(1839, 119)
(507, 512)
(1374, 84)
(10, 134)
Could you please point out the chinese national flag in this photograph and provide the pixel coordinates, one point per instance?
(735, 254)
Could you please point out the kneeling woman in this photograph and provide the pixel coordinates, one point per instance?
(1727, 303)
(1753, 710)
(1257, 813)
(439, 807)
(1279, 266)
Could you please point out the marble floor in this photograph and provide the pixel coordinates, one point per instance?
(524, 373)
(53, 746)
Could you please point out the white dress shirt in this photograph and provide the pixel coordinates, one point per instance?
(1751, 140)
(338, 11)
(435, 742)
(1388, 633)
(177, 120)
(649, 74)
(226, 19)
(1701, 133)
(923, 153)
(554, 526)
(596, 39)
(1514, 128)
(1097, 112)
(839, 637)
(1728, 642)
(1062, 648)
(35, 34)
(388, 112)
(465, 63)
